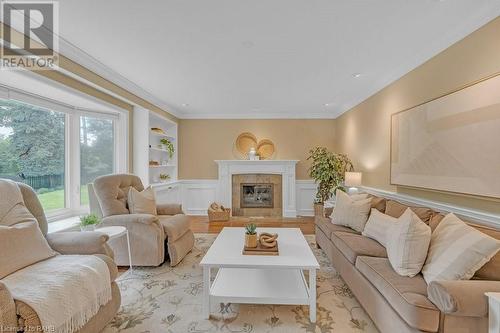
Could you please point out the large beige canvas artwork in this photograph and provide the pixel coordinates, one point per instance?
(451, 143)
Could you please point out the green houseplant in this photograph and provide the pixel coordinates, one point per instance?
(251, 235)
(164, 177)
(328, 171)
(89, 222)
(169, 146)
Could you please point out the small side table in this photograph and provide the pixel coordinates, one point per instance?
(115, 232)
(494, 312)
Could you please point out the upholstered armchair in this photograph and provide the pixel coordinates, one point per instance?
(152, 237)
(15, 313)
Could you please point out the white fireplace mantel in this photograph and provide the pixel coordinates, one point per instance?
(285, 168)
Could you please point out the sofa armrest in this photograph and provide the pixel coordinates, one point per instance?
(125, 219)
(169, 209)
(74, 242)
(462, 298)
(8, 317)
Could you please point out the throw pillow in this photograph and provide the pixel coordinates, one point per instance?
(143, 202)
(21, 245)
(351, 213)
(407, 244)
(377, 226)
(457, 251)
(360, 196)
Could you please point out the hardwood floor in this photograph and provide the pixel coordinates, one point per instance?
(200, 224)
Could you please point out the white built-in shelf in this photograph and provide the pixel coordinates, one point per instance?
(158, 149)
(147, 147)
(162, 166)
(171, 138)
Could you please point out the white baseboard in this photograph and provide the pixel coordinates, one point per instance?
(476, 216)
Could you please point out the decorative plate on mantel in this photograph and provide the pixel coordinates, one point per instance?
(265, 149)
(244, 142)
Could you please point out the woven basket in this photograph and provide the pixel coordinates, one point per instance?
(214, 216)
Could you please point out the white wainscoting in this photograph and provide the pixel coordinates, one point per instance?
(196, 195)
(479, 217)
(306, 191)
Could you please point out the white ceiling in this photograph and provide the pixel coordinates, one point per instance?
(262, 58)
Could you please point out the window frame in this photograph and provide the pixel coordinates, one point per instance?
(73, 115)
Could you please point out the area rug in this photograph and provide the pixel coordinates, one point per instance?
(166, 299)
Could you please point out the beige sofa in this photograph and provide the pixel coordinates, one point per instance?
(151, 236)
(403, 304)
(15, 313)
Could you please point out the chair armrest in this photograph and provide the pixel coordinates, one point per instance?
(125, 219)
(8, 317)
(462, 298)
(169, 209)
(74, 242)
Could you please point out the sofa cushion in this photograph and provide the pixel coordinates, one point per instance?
(491, 270)
(350, 212)
(407, 244)
(406, 295)
(22, 245)
(378, 226)
(396, 209)
(457, 251)
(326, 225)
(354, 245)
(143, 202)
(378, 203)
(175, 226)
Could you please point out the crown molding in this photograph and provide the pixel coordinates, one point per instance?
(84, 59)
(259, 115)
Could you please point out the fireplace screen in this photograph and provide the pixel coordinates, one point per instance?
(257, 196)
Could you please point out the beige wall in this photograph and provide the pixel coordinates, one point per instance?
(203, 141)
(364, 131)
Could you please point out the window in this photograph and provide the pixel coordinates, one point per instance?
(97, 153)
(58, 149)
(32, 150)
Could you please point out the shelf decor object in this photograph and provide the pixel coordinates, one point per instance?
(450, 143)
(261, 250)
(250, 235)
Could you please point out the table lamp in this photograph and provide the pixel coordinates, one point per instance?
(352, 181)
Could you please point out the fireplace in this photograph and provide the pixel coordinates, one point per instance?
(256, 195)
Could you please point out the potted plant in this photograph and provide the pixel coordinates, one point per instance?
(251, 235)
(89, 222)
(328, 171)
(169, 146)
(164, 177)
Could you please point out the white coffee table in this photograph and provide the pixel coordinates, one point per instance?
(115, 232)
(257, 279)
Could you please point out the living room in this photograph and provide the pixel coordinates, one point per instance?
(264, 166)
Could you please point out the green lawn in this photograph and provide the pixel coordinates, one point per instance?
(55, 199)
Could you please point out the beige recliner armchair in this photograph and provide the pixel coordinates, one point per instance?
(14, 313)
(152, 237)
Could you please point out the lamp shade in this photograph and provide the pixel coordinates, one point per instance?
(352, 179)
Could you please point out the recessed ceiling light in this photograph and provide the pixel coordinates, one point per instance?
(356, 75)
(327, 104)
(185, 104)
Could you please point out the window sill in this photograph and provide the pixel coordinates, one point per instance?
(67, 224)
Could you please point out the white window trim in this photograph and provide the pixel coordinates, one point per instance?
(72, 139)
